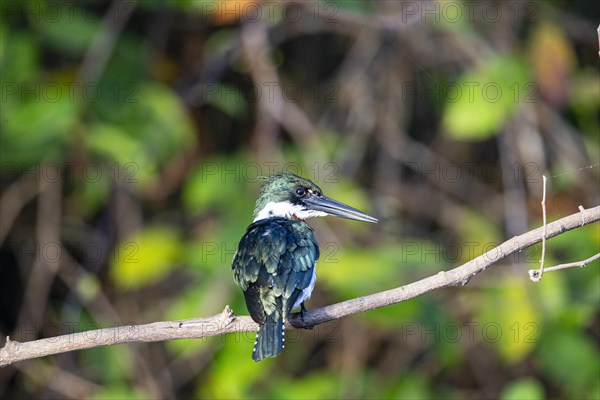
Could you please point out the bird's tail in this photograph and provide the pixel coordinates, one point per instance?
(269, 339)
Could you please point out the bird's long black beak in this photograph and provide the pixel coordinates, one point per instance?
(334, 207)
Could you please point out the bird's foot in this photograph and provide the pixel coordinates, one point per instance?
(301, 314)
(302, 311)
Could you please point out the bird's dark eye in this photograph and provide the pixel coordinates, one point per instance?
(300, 192)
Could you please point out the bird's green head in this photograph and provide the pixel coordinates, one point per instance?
(290, 196)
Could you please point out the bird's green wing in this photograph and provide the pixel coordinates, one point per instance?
(273, 264)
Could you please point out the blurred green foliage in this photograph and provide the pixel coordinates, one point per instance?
(486, 98)
(145, 257)
(160, 157)
(523, 389)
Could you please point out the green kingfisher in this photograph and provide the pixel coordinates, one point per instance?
(275, 264)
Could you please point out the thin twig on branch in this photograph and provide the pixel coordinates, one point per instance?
(533, 273)
(536, 277)
(227, 322)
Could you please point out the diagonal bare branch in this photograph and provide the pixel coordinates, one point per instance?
(228, 322)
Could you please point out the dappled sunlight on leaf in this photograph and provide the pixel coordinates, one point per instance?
(200, 300)
(153, 128)
(523, 389)
(412, 386)
(145, 257)
(41, 125)
(315, 385)
(486, 97)
(508, 318)
(19, 56)
(571, 360)
(354, 272)
(477, 233)
(115, 145)
(117, 392)
(552, 60)
(216, 183)
(233, 373)
(70, 28)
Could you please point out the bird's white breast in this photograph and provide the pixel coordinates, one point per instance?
(286, 209)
